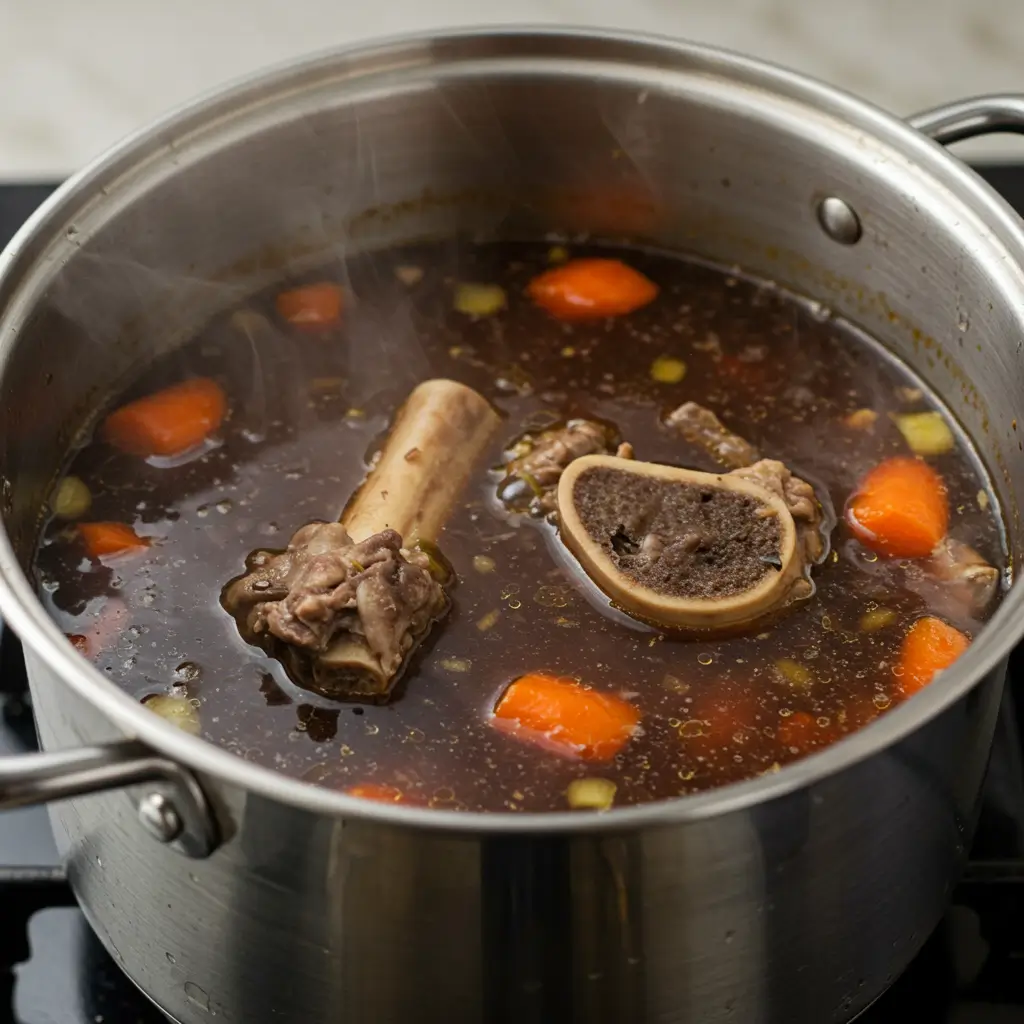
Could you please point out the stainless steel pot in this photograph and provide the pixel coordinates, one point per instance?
(225, 889)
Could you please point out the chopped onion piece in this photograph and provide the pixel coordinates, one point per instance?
(179, 711)
(488, 621)
(483, 564)
(794, 673)
(72, 499)
(590, 794)
(861, 419)
(877, 618)
(927, 433)
(675, 685)
(479, 299)
(668, 370)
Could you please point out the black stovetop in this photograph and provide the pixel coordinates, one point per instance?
(54, 971)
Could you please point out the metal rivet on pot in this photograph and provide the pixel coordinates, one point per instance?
(160, 817)
(839, 220)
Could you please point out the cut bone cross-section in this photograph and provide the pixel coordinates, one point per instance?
(679, 548)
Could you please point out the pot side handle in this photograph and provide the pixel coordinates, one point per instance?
(173, 808)
(967, 119)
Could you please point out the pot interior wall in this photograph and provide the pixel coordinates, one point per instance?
(509, 135)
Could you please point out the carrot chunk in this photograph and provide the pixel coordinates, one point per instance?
(590, 289)
(930, 646)
(566, 717)
(79, 642)
(900, 509)
(105, 540)
(168, 422)
(719, 723)
(312, 306)
(800, 732)
(376, 791)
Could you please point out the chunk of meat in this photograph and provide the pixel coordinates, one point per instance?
(345, 604)
(775, 476)
(532, 475)
(700, 426)
(325, 590)
(969, 577)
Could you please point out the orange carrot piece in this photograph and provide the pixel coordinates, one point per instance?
(376, 791)
(565, 717)
(590, 289)
(930, 646)
(900, 509)
(170, 421)
(312, 306)
(801, 733)
(716, 725)
(104, 540)
(79, 642)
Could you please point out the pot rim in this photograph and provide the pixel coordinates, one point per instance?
(23, 611)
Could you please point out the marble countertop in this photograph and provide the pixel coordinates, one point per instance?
(77, 76)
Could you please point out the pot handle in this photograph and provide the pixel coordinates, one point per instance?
(174, 809)
(967, 119)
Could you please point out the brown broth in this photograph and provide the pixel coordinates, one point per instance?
(307, 409)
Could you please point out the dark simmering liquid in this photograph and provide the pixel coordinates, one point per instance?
(306, 413)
